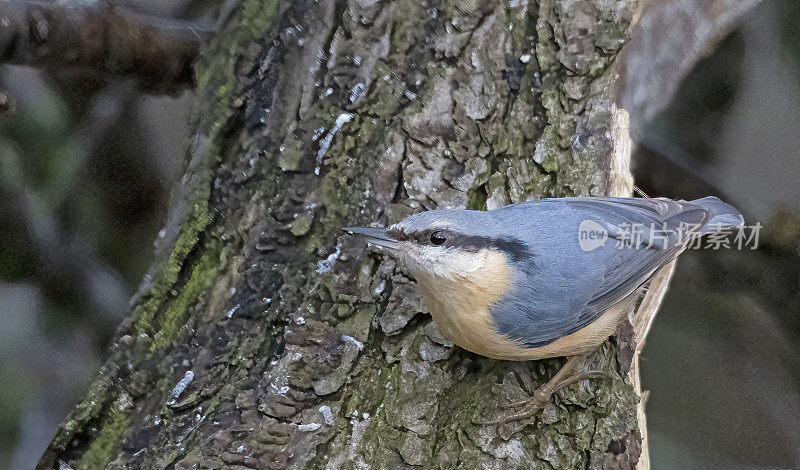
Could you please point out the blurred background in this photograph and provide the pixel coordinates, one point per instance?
(86, 167)
(723, 358)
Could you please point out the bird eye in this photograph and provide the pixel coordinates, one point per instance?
(438, 238)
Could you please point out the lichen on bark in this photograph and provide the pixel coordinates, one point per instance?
(307, 350)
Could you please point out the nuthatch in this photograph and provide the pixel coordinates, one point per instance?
(544, 278)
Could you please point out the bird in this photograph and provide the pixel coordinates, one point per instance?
(545, 278)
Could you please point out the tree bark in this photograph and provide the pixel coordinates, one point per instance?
(263, 337)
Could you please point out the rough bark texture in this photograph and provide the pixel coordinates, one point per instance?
(265, 338)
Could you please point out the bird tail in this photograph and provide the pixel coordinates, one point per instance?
(721, 216)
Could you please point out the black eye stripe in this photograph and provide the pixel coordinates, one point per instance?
(398, 235)
(514, 248)
(424, 237)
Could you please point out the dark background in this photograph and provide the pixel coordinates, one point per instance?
(86, 167)
(722, 358)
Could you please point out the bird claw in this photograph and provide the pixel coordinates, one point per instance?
(541, 396)
(508, 418)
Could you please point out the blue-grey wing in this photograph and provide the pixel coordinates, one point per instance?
(565, 285)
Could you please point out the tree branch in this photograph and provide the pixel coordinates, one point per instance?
(104, 38)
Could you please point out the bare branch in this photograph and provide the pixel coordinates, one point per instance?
(103, 38)
(677, 33)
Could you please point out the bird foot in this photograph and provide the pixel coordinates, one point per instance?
(542, 395)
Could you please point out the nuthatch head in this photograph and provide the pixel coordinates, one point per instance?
(446, 243)
(523, 282)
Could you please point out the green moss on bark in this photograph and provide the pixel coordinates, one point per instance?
(102, 450)
(203, 276)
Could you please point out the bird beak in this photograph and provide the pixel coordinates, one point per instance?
(375, 235)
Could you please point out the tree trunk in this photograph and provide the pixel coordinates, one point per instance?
(263, 337)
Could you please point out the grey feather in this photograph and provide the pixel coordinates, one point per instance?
(558, 287)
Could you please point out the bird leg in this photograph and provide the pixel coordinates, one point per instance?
(542, 395)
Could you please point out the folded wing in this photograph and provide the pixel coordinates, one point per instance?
(565, 287)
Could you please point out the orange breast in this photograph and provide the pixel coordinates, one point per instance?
(460, 306)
